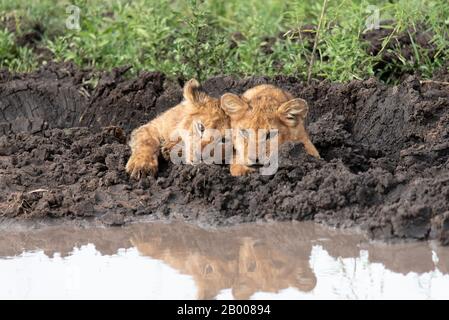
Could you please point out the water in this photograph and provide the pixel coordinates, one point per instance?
(180, 261)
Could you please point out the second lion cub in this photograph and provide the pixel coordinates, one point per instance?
(269, 108)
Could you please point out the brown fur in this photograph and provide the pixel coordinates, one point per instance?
(148, 140)
(266, 107)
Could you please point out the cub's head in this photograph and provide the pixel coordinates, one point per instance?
(263, 113)
(203, 121)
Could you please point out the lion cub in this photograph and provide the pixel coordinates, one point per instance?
(196, 113)
(270, 108)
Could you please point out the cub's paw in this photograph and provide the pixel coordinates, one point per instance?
(240, 170)
(139, 166)
(314, 153)
(310, 149)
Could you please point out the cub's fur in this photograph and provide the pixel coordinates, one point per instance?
(195, 114)
(265, 107)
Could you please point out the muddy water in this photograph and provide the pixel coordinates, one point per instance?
(289, 260)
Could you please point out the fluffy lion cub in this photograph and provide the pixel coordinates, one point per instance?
(269, 108)
(196, 113)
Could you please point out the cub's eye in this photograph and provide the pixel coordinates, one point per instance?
(199, 127)
(224, 140)
(244, 133)
(271, 134)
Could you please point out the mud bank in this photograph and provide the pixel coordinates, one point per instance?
(385, 152)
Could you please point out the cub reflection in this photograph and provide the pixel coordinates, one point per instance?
(246, 261)
(264, 268)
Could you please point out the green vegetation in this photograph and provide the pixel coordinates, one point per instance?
(193, 38)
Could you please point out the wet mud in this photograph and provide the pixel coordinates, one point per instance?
(385, 149)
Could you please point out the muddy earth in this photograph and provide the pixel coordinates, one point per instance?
(385, 149)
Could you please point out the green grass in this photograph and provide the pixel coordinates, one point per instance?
(188, 38)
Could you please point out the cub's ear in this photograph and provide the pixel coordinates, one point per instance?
(192, 91)
(233, 105)
(293, 111)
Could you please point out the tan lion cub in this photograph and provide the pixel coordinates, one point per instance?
(270, 108)
(195, 114)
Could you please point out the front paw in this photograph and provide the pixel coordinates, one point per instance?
(240, 170)
(314, 153)
(139, 166)
(310, 149)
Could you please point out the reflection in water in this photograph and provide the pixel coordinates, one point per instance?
(246, 259)
(250, 260)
